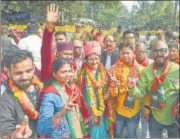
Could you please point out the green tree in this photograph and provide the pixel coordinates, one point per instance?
(104, 12)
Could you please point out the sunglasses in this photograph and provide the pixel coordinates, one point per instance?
(162, 51)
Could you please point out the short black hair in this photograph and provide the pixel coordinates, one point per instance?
(60, 33)
(169, 34)
(32, 28)
(126, 46)
(58, 63)
(128, 32)
(174, 45)
(13, 57)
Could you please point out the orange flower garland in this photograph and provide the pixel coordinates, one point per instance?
(121, 77)
(96, 84)
(97, 111)
(23, 98)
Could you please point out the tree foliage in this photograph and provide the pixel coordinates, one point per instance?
(106, 13)
(154, 15)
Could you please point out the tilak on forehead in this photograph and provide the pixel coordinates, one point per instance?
(160, 44)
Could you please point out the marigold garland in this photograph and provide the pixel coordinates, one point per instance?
(123, 88)
(99, 84)
(122, 77)
(23, 98)
(102, 75)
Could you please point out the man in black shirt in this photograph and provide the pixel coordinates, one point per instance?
(19, 96)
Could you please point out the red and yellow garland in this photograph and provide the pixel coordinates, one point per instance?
(121, 75)
(23, 98)
(97, 85)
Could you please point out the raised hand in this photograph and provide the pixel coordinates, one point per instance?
(27, 131)
(70, 104)
(52, 16)
(112, 80)
(23, 130)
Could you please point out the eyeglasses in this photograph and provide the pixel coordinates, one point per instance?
(94, 60)
(162, 51)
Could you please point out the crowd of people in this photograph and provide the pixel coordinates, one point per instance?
(95, 85)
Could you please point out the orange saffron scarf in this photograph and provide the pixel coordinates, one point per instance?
(23, 99)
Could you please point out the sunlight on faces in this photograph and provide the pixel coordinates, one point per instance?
(173, 53)
(93, 61)
(77, 48)
(22, 73)
(140, 52)
(160, 53)
(126, 55)
(130, 39)
(109, 43)
(60, 38)
(63, 73)
(65, 54)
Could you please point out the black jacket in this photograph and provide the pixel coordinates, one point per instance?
(11, 113)
(114, 56)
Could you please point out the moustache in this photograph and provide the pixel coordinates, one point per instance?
(23, 81)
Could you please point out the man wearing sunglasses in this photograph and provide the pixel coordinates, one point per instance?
(161, 80)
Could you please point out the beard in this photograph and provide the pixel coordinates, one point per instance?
(23, 84)
(160, 63)
(172, 58)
